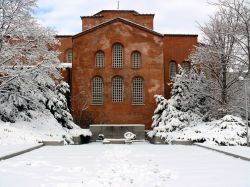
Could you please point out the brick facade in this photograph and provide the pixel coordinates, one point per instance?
(134, 32)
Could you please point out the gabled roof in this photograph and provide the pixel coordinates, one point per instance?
(125, 21)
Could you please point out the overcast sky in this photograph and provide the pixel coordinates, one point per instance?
(171, 16)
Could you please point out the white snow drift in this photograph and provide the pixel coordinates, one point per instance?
(44, 127)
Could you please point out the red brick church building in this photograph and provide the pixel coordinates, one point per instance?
(119, 62)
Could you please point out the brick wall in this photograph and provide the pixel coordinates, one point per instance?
(156, 51)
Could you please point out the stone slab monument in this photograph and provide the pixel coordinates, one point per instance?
(116, 131)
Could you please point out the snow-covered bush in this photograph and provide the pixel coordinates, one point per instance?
(182, 116)
(229, 130)
(171, 124)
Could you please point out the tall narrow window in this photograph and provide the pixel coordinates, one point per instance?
(172, 68)
(99, 59)
(137, 91)
(186, 66)
(117, 56)
(69, 56)
(136, 60)
(97, 90)
(117, 89)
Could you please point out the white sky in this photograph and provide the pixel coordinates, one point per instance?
(171, 16)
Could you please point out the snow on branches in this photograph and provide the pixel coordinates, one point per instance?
(183, 107)
(29, 71)
(182, 116)
(224, 55)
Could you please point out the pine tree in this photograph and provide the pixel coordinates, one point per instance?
(58, 105)
(186, 105)
(181, 96)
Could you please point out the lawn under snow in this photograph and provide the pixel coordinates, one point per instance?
(138, 165)
(12, 148)
(44, 127)
(238, 150)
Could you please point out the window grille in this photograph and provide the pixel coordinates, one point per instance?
(117, 89)
(136, 60)
(69, 56)
(97, 90)
(172, 70)
(185, 66)
(99, 59)
(117, 56)
(137, 91)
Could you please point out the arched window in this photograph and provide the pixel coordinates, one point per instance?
(97, 90)
(136, 59)
(137, 91)
(186, 66)
(69, 56)
(117, 89)
(117, 56)
(172, 70)
(99, 59)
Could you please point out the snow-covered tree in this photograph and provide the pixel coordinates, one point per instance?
(29, 74)
(184, 106)
(239, 11)
(222, 57)
(56, 103)
(185, 91)
(181, 96)
(182, 116)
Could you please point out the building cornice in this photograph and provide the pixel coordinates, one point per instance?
(181, 35)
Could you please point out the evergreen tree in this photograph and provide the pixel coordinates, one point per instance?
(58, 105)
(184, 106)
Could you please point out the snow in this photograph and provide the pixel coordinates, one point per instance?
(45, 127)
(238, 150)
(171, 124)
(229, 130)
(66, 65)
(9, 149)
(138, 164)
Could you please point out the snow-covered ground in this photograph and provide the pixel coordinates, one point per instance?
(44, 127)
(9, 149)
(139, 165)
(238, 150)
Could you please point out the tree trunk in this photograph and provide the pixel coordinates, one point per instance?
(224, 85)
